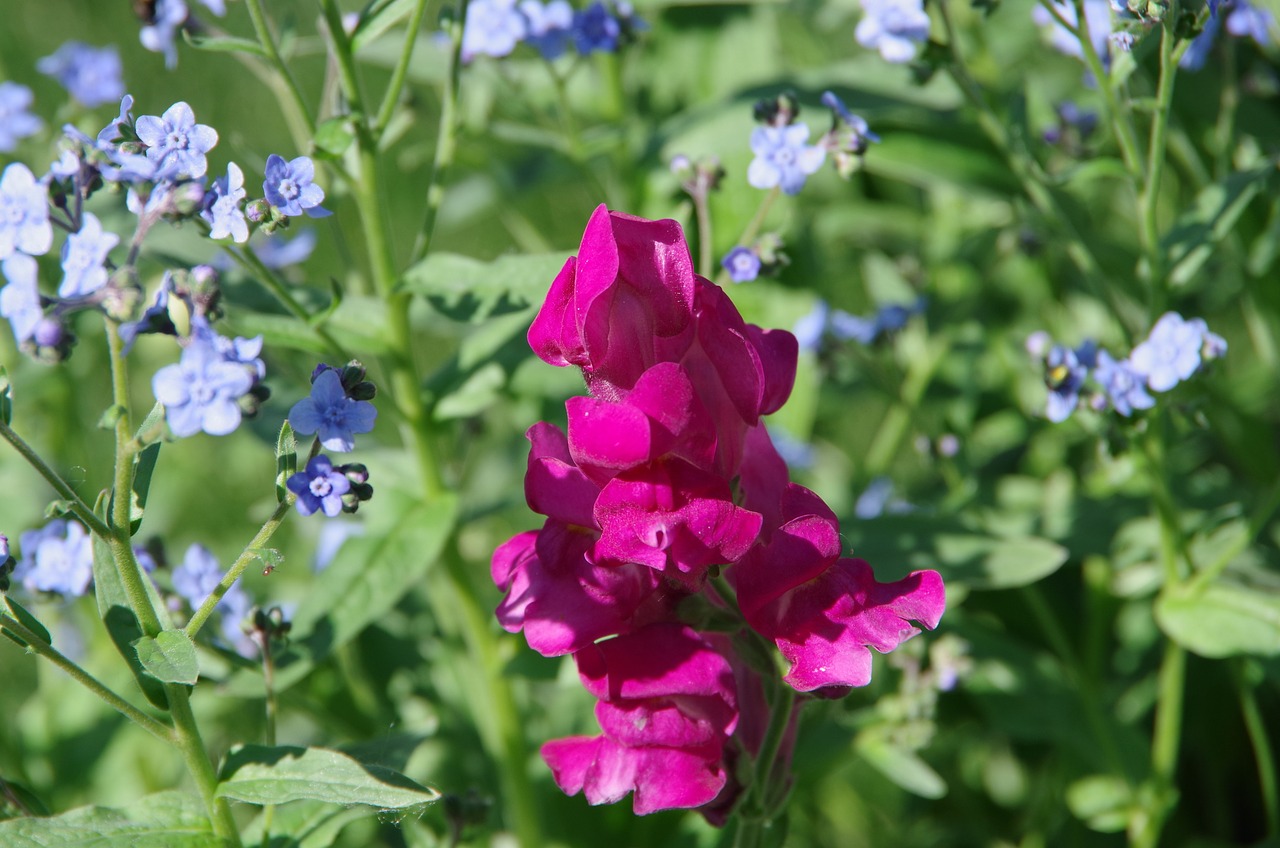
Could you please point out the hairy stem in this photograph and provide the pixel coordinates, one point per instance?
(78, 507)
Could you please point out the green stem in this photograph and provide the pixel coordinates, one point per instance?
(269, 684)
(705, 257)
(82, 510)
(1156, 160)
(1262, 750)
(250, 553)
(401, 71)
(753, 227)
(268, 42)
(1228, 104)
(1171, 540)
(1165, 744)
(37, 645)
(198, 763)
(446, 135)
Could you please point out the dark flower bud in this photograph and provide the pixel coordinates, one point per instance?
(350, 502)
(352, 373)
(777, 111)
(355, 472)
(363, 391)
(363, 491)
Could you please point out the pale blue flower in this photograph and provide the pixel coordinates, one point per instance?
(1170, 353)
(175, 139)
(319, 487)
(20, 299)
(84, 255)
(896, 28)
(90, 74)
(742, 263)
(160, 35)
(549, 26)
(222, 207)
(288, 186)
(1097, 15)
(1246, 19)
(56, 558)
(1197, 53)
(1125, 387)
(493, 28)
(810, 329)
(333, 535)
(16, 122)
(782, 157)
(333, 416)
(278, 252)
(845, 327)
(112, 132)
(200, 391)
(24, 213)
(196, 578)
(878, 499)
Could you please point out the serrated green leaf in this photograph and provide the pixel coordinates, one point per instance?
(901, 766)
(467, 289)
(28, 621)
(170, 657)
(163, 820)
(286, 460)
(1223, 620)
(224, 44)
(262, 775)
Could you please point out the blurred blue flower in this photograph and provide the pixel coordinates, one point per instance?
(1170, 353)
(846, 327)
(1097, 17)
(810, 329)
(333, 416)
(878, 499)
(1064, 376)
(196, 578)
(595, 28)
(222, 207)
(1124, 387)
(56, 558)
(90, 74)
(289, 187)
(782, 157)
(175, 140)
(24, 213)
(20, 299)
(83, 256)
(550, 26)
(493, 28)
(200, 391)
(279, 252)
(15, 121)
(333, 535)
(858, 125)
(742, 263)
(319, 487)
(1201, 46)
(794, 452)
(1246, 19)
(4, 548)
(894, 27)
(159, 36)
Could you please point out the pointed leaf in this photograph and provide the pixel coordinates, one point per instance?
(901, 766)
(224, 44)
(286, 460)
(1224, 620)
(263, 775)
(163, 820)
(28, 621)
(6, 398)
(144, 465)
(170, 657)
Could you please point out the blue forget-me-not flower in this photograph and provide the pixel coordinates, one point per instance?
(56, 558)
(549, 26)
(20, 299)
(201, 390)
(595, 28)
(83, 256)
(90, 74)
(783, 158)
(15, 121)
(1172, 351)
(222, 207)
(896, 28)
(289, 187)
(319, 487)
(742, 263)
(159, 36)
(493, 28)
(197, 577)
(24, 213)
(175, 139)
(1125, 388)
(333, 416)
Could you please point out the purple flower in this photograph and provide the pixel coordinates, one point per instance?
(894, 27)
(24, 213)
(175, 140)
(112, 132)
(90, 74)
(782, 157)
(1064, 375)
(493, 28)
(289, 187)
(549, 26)
(1170, 353)
(328, 412)
(1124, 386)
(200, 391)
(20, 299)
(158, 36)
(742, 263)
(319, 487)
(56, 558)
(83, 257)
(222, 207)
(594, 28)
(15, 121)
(857, 125)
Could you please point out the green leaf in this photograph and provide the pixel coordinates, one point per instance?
(6, 398)
(1192, 240)
(334, 136)
(144, 465)
(901, 765)
(28, 621)
(262, 775)
(286, 460)
(309, 824)
(467, 289)
(170, 657)
(224, 44)
(1101, 801)
(1223, 620)
(163, 820)
(379, 21)
(122, 625)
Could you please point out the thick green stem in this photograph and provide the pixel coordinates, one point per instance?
(268, 42)
(701, 209)
(401, 71)
(251, 552)
(38, 646)
(1262, 751)
(82, 510)
(198, 763)
(1165, 744)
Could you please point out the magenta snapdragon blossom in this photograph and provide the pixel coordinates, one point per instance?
(665, 480)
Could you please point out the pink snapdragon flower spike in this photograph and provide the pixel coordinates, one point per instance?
(667, 706)
(628, 291)
(823, 611)
(673, 518)
(554, 485)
